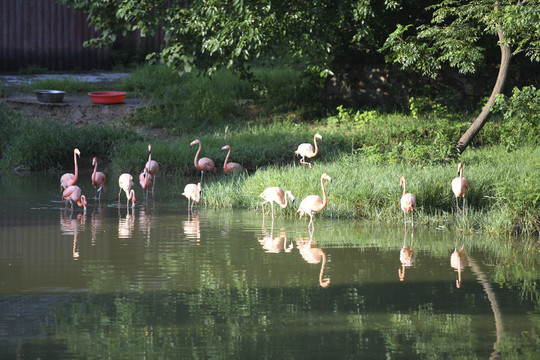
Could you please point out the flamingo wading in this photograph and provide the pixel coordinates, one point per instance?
(98, 179)
(193, 193)
(276, 195)
(203, 164)
(408, 203)
(307, 151)
(460, 186)
(69, 179)
(152, 167)
(145, 179)
(73, 194)
(230, 167)
(125, 181)
(313, 203)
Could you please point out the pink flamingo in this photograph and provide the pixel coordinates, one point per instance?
(276, 195)
(73, 194)
(306, 150)
(460, 186)
(152, 166)
(69, 179)
(408, 203)
(145, 179)
(204, 164)
(313, 203)
(98, 179)
(126, 182)
(232, 166)
(193, 193)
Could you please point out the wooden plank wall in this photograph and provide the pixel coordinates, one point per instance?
(46, 34)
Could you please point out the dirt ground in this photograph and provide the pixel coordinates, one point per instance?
(76, 110)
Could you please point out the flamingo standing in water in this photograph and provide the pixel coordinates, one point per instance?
(69, 179)
(307, 150)
(98, 179)
(193, 193)
(145, 179)
(313, 203)
(126, 182)
(204, 164)
(152, 166)
(408, 203)
(460, 186)
(73, 194)
(231, 167)
(276, 195)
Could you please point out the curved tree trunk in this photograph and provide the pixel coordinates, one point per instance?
(476, 126)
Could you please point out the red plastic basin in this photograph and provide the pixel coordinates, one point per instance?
(107, 97)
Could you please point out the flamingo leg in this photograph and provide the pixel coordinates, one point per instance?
(272, 203)
(464, 206)
(153, 184)
(412, 220)
(405, 219)
(202, 175)
(457, 206)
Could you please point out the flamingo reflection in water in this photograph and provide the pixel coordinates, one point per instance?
(192, 227)
(71, 226)
(406, 256)
(272, 244)
(459, 261)
(313, 255)
(126, 225)
(145, 221)
(97, 219)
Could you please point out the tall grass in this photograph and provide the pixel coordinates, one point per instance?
(361, 190)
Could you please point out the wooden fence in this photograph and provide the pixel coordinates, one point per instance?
(46, 34)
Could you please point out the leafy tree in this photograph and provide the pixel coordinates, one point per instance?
(455, 36)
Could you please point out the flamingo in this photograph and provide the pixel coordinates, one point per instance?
(313, 203)
(152, 166)
(204, 164)
(193, 193)
(145, 179)
(126, 182)
(306, 150)
(73, 194)
(460, 186)
(98, 178)
(232, 166)
(276, 195)
(408, 203)
(69, 179)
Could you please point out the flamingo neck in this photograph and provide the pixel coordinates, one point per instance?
(196, 156)
(76, 169)
(95, 170)
(325, 200)
(316, 147)
(284, 205)
(404, 187)
(226, 159)
(461, 172)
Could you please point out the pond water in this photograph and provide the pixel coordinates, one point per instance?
(158, 282)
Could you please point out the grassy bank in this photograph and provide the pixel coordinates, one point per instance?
(364, 150)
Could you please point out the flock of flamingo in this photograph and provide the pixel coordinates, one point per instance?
(309, 205)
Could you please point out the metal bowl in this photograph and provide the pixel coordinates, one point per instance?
(50, 96)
